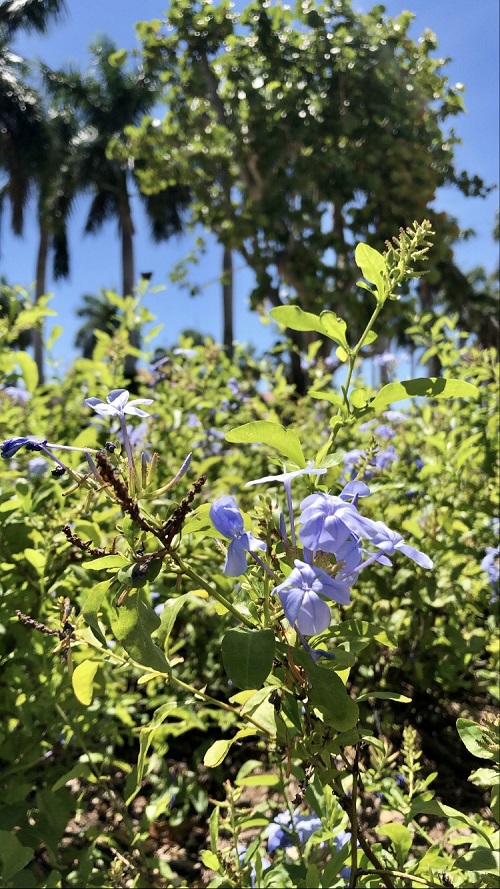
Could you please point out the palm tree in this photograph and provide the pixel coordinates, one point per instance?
(106, 100)
(98, 314)
(26, 145)
(29, 15)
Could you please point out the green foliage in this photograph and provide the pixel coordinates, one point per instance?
(171, 685)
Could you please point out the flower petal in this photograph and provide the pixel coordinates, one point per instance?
(118, 398)
(236, 559)
(417, 556)
(306, 610)
(100, 407)
(226, 517)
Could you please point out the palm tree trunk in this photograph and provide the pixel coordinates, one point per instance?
(227, 301)
(128, 281)
(40, 290)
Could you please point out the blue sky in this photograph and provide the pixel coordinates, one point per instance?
(467, 32)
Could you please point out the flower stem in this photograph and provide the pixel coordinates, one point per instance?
(242, 618)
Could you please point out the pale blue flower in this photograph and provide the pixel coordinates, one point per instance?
(389, 542)
(491, 564)
(117, 404)
(228, 521)
(279, 832)
(328, 521)
(286, 479)
(300, 595)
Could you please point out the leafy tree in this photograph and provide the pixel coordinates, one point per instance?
(107, 98)
(300, 132)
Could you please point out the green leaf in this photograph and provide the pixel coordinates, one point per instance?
(105, 562)
(384, 696)
(55, 333)
(400, 837)
(218, 751)
(423, 387)
(29, 370)
(421, 806)
(327, 323)
(82, 681)
(248, 656)
(334, 328)
(328, 694)
(295, 318)
(14, 856)
(372, 265)
(168, 616)
(210, 860)
(325, 395)
(285, 441)
(480, 859)
(359, 397)
(132, 623)
(146, 736)
(258, 781)
(472, 735)
(117, 59)
(92, 606)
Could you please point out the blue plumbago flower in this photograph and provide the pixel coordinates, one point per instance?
(341, 839)
(328, 521)
(16, 394)
(300, 595)
(384, 458)
(491, 564)
(228, 521)
(242, 851)
(384, 431)
(37, 466)
(11, 446)
(233, 385)
(390, 541)
(117, 404)
(395, 416)
(279, 832)
(286, 478)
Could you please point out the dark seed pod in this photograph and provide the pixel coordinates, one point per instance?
(139, 574)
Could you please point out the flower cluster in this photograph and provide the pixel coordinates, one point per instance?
(329, 524)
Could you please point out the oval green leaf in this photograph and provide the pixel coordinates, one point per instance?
(248, 656)
(82, 681)
(423, 387)
(285, 441)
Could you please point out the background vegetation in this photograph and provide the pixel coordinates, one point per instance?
(106, 782)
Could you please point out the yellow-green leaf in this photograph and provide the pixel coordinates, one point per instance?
(83, 681)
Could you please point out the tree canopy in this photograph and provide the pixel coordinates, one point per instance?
(300, 131)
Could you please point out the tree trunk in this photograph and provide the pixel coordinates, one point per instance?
(128, 281)
(40, 290)
(227, 301)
